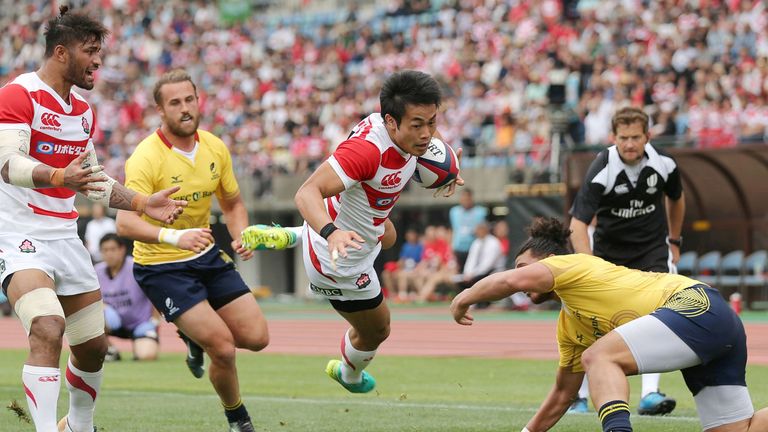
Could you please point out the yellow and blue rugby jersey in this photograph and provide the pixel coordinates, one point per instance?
(599, 296)
(154, 166)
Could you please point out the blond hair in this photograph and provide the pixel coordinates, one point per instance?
(170, 77)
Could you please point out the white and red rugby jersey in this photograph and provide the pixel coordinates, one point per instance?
(374, 171)
(59, 131)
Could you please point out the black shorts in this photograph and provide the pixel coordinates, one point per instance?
(653, 257)
(357, 305)
(706, 323)
(173, 288)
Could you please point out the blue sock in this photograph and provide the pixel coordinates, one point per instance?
(236, 412)
(614, 416)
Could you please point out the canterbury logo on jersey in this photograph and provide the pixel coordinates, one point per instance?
(621, 189)
(50, 119)
(391, 180)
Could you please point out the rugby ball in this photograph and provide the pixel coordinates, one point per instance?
(438, 166)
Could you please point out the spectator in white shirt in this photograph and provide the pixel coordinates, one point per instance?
(484, 256)
(99, 226)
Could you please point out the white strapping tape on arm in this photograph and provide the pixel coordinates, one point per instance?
(14, 150)
(101, 197)
(172, 236)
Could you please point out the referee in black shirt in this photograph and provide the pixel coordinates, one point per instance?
(635, 194)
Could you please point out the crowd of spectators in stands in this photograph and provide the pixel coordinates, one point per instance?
(428, 269)
(283, 92)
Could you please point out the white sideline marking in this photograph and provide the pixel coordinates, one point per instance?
(375, 403)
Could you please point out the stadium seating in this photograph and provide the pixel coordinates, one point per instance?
(730, 273)
(731, 270)
(708, 268)
(755, 276)
(687, 264)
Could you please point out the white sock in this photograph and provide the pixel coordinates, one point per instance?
(353, 361)
(297, 231)
(42, 384)
(650, 383)
(584, 389)
(83, 388)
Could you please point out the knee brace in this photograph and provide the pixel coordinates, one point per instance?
(85, 324)
(36, 303)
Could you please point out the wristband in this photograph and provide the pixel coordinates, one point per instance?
(57, 177)
(139, 203)
(525, 429)
(170, 236)
(676, 241)
(327, 230)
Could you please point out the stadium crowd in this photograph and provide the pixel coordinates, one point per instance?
(282, 91)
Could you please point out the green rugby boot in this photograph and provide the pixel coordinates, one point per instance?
(333, 369)
(261, 237)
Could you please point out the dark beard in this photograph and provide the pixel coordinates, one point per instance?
(179, 132)
(77, 77)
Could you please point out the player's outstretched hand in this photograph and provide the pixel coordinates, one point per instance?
(450, 188)
(79, 179)
(338, 242)
(162, 208)
(237, 246)
(460, 310)
(196, 240)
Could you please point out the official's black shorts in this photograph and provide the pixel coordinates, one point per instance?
(653, 257)
(173, 288)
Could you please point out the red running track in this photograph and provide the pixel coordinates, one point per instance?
(497, 339)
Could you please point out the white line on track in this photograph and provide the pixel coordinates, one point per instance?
(373, 403)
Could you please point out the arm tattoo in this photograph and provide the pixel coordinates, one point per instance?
(121, 197)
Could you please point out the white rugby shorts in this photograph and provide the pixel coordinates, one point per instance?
(323, 281)
(66, 261)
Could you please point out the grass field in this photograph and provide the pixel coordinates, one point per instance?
(292, 393)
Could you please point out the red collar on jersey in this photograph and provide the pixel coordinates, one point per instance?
(168, 143)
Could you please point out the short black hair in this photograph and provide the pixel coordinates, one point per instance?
(112, 237)
(69, 28)
(547, 236)
(407, 87)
